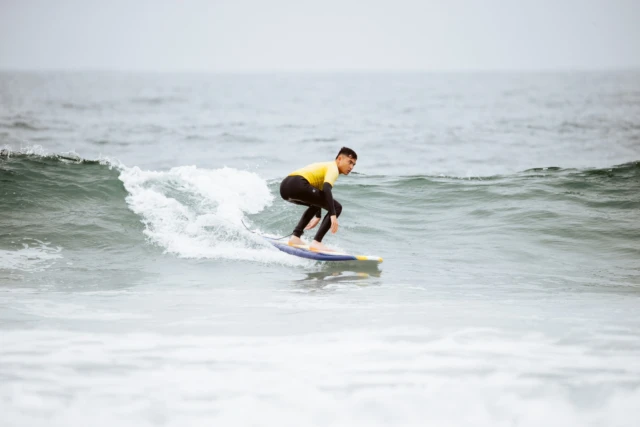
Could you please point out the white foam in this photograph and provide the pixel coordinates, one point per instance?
(36, 150)
(35, 255)
(198, 213)
(348, 378)
(39, 151)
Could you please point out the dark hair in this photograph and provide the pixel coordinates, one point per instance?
(347, 152)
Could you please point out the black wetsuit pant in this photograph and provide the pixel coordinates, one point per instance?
(296, 189)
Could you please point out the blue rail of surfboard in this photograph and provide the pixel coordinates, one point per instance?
(310, 254)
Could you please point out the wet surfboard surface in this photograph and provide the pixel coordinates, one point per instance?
(304, 251)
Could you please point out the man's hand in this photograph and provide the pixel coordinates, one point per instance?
(314, 221)
(334, 224)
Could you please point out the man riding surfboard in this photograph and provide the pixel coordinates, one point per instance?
(311, 186)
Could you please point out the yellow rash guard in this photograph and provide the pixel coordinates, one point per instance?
(319, 173)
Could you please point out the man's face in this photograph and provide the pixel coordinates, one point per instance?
(345, 164)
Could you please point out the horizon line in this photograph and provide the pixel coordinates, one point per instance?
(320, 70)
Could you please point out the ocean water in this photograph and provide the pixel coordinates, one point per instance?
(135, 288)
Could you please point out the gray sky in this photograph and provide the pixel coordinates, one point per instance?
(253, 35)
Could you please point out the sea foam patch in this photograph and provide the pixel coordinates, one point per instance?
(34, 255)
(198, 213)
(383, 377)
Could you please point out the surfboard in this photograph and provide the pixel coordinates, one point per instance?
(305, 252)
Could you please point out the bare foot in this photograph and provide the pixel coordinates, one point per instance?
(296, 241)
(318, 246)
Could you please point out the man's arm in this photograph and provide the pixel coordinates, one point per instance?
(328, 197)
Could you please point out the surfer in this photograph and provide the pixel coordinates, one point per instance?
(311, 186)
